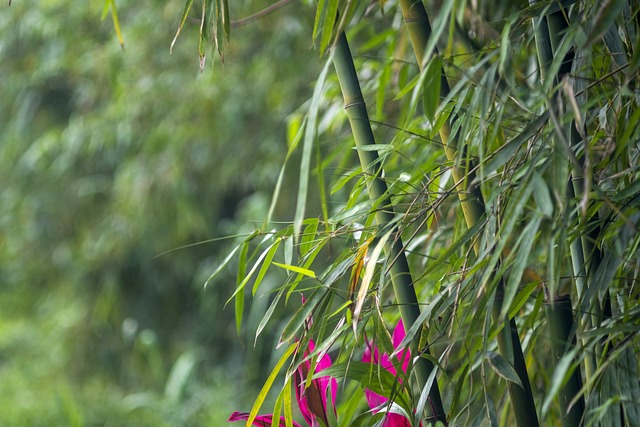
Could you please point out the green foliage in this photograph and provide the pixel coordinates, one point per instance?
(507, 190)
(498, 176)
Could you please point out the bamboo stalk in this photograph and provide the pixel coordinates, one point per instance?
(472, 202)
(585, 256)
(400, 274)
(563, 337)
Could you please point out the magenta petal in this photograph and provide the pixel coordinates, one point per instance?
(374, 400)
(396, 420)
(398, 335)
(260, 420)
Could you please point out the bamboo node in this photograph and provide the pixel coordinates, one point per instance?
(353, 104)
(418, 19)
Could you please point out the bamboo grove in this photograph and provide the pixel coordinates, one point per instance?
(469, 167)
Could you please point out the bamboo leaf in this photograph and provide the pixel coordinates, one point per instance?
(605, 18)
(267, 315)
(226, 22)
(116, 23)
(431, 88)
(316, 22)
(559, 374)
(503, 368)
(265, 265)
(630, 387)
(527, 238)
(183, 19)
(506, 152)
(505, 46)
(370, 376)
(267, 253)
(239, 294)
(308, 236)
(311, 133)
(542, 196)
(229, 256)
(368, 276)
(301, 315)
(329, 24)
(268, 383)
(296, 269)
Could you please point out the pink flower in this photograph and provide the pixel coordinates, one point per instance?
(376, 401)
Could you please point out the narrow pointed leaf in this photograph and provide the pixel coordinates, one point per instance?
(269, 382)
(183, 19)
(431, 88)
(296, 269)
(502, 367)
(607, 14)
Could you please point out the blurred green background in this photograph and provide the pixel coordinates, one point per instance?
(110, 158)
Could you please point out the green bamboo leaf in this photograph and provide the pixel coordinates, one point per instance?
(268, 383)
(522, 297)
(226, 22)
(507, 151)
(277, 406)
(222, 265)
(308, 236)
(322, 188)
(116, 23)
(301, 315)
(503, 368)
(316, 21)
(288, 250)
(267, 253)
(228, 258)
(296, 269)
(183, 19)
(329, 24)
(560, 373)
(635, 59)
(288, 412)
(205, 29)
(267, 315)
(629, 387)
(431, 88)
(110, 5)
(311, 133)
(505, 45)
(265, 266)
(526, 240)
(239, 294)
(542, 195)
(605, 18)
